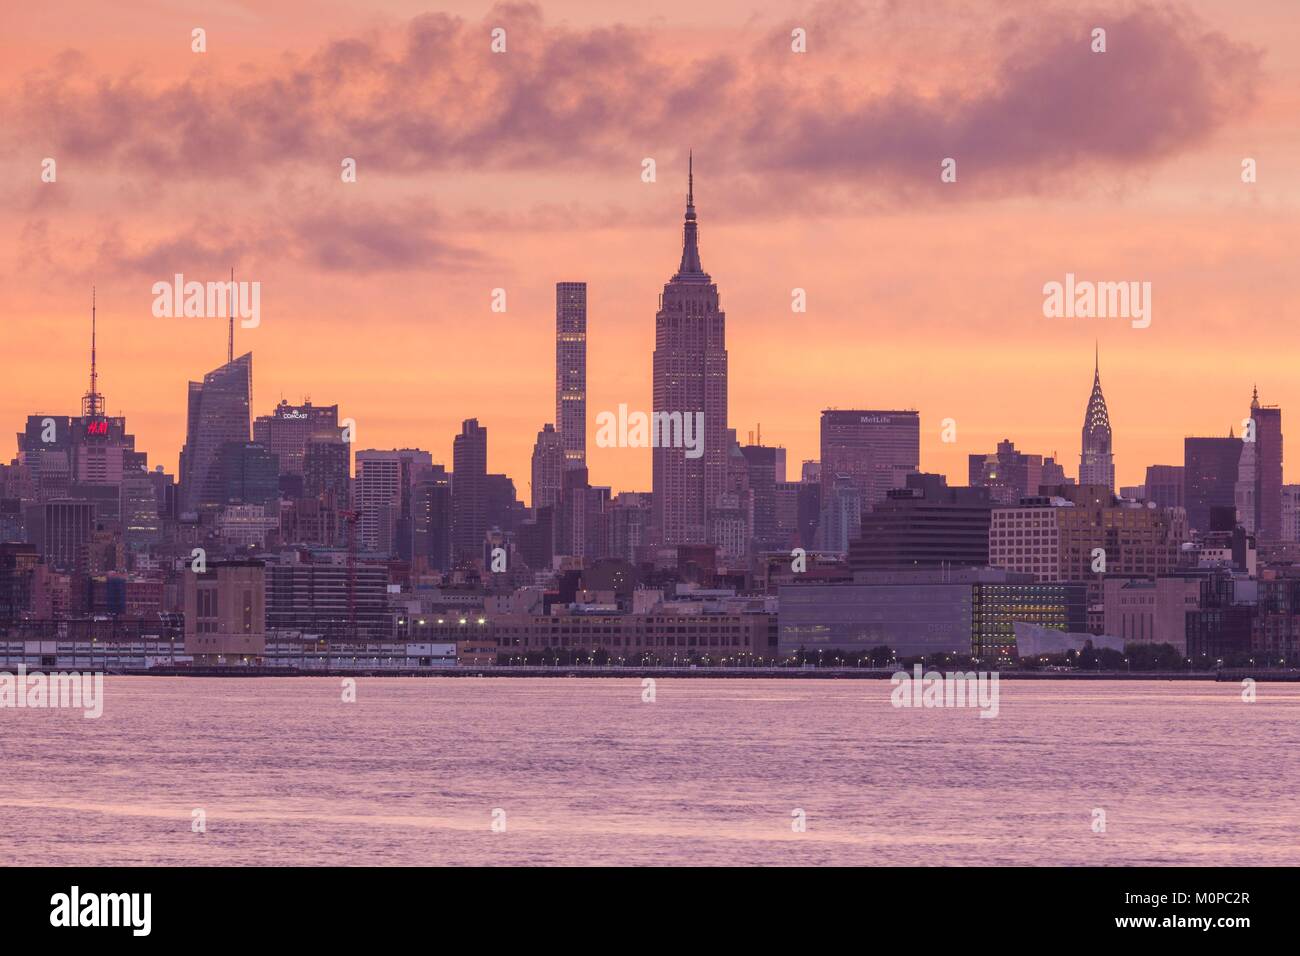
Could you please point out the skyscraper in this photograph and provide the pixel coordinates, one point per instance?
(218, 413)
(926, 524)
(248, 473)
(1164, 484)
(1096, 461)
(1247, 486)
(1008, 474)
(290, 429)
(571, 370)
(765, 466)
(433, 518)
(382, 497)
(1210, 468)
(469, 491)
(875, 450)
(548, 468)
(1268, 469)
(690, 380)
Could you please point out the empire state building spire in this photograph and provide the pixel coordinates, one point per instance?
(690, 269)
(1097, 462)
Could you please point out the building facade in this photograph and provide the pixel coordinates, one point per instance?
(571, 369)
(218, 413)
(1096, 460)
(876, 450)
(690, 379)
(469, 492)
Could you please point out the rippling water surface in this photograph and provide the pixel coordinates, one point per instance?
(710, 773)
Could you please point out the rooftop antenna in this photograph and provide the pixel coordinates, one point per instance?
(92, 403)
(230, 349)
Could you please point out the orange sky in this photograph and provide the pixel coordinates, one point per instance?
(517, 170)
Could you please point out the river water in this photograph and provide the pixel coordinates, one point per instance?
(585, 771)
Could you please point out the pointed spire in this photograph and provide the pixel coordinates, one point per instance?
(690, 241)
(1096, 461)
(92, 403)
(94, 328)
(1096, 420)
(1254, 398)
(690, 184)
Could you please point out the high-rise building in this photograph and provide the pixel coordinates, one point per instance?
(629, 524)
(925, 525)
(433, 518)
(536, 539)
(841, 518)
(1054, 473)
(1097, 461)
(1164, 485)
(249, 474)
(1209, 477)
(1247, 486)
(690, 381)
(289, 430)
(1008, 474)
(582, 528)
(502, 509)
(548, 468)
(327, 470)
(381, 495)
(218, 413)
(798, 512)
(469, 492)
(139, 511)
(60, 450)
(765, 467)
(93, 449)
(1268, 469)
(1291, 512)
(875, 450)
(571, 370)
(18, 570)
(65, 533)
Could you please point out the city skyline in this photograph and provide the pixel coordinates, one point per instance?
(1096, 423)
(452, 470)
(363, 309)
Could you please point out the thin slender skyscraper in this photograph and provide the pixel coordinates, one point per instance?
(690, 377)
(469, 491)
(1096, 462)
(571, 370)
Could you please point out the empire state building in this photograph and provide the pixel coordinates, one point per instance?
(690, 377)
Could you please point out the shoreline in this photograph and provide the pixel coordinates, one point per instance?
(1233, 675)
